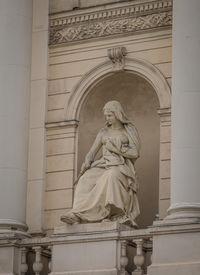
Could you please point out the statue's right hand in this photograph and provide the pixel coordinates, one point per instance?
(86, 165)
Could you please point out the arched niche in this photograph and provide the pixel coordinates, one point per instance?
(137, 66)
(140, 103)
(142, 90)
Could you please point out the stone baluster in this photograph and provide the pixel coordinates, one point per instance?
(151, 257)
(50, 261)
(139, 258)
(23, 266)
(38, 265)
(123, 258)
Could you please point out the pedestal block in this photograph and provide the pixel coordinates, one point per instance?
(87, 249)
(176, 249)
(9, 260)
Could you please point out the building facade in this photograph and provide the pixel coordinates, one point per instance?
(61, 61)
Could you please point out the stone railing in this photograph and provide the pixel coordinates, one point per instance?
(35, 259)
(135, 253)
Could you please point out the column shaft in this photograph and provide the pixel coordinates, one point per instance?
(185, 181)
(15, 56)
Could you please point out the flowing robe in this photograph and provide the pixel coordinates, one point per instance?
(108, 190)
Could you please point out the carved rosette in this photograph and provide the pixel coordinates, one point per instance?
(112, 22)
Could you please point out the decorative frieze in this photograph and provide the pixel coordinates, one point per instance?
(124, 20)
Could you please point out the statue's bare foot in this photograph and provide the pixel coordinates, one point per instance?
(106, 220)
(70, 218)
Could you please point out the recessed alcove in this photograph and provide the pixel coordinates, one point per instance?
(140, 103)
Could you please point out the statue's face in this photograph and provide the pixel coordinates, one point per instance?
(110, 117)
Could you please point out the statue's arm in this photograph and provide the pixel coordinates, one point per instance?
(94, 150)
(130, 151)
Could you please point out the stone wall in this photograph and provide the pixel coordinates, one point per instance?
(63, 5)
(69, 63)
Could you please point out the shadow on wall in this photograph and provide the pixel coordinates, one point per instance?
(140, 103)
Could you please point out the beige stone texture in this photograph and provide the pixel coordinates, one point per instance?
(56, 86)
(71, 82)
(91, 3)
(60, 163)
(165, 134)
(55, 115)
(60, 146)
(165, 151)
(108, 250)
(33, 212)
(60, 132)
(39, 52)
(36, 151)
(61, 135)
(12, 266)
(63, 85)
(57, 101)
(40, 11)
(58, 199)
(160, 48)
(59, 180)
(38, 103)
(64, 70)
(176, 253)
(52, 218)
(158, 56)
(62, 5)
(38, 107)
(164, 205)
(165, 68)
(164, 188)
(165, 169)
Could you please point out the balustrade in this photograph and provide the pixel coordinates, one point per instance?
(139, 240)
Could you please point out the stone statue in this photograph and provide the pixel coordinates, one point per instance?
(107, 188)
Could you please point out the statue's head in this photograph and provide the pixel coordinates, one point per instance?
(116, 108)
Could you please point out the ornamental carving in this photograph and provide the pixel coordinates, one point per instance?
(105, 28)
(117, 56)
(65, 28)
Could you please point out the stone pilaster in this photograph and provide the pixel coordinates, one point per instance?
(38, 108)
(165, 161)
(60, 170)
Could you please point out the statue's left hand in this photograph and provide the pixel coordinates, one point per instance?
(109, 146)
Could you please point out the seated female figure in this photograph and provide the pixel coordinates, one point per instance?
(107, 188)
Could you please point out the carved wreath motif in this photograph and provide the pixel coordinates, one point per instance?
(105, 28)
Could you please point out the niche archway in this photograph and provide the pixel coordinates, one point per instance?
(142, 90)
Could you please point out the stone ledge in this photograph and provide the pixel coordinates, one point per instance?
(112, 271)
(86, 228)
(175, 226)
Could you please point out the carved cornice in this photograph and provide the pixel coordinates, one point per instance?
(113, 21)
